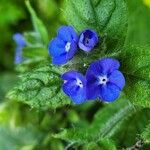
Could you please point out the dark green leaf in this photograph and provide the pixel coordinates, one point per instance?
(135, 65)
(136, 54)
(107, 17)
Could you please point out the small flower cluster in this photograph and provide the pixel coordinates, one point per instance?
(63, 47)
(102, 80)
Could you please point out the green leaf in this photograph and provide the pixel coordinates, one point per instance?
(135, 65)
(33, 39)
(38, 24)
(104, 144)
(106, 123)
(136, 54)
(107, 17)
(32, 52)
(18, 138)
(41, 88)
(138, 29)
(107, 144)
(146, 134)
(133, 127)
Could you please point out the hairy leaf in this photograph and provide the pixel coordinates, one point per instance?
(107, 17)
(135, 65)
(40, 88)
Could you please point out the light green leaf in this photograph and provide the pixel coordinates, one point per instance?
(33, 39)
(41, 88)
(18, 138)
(107, 17)
(38, 24)
(32, 52)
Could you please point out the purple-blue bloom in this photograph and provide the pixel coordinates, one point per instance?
(19, 39)
(63, 47)
(74, 86)
(21, 43)
(87, 40)
(104, 80)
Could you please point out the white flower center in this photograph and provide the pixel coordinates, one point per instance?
(67, 46)
(79, 82)
(103, 79)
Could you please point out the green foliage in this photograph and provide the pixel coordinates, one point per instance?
(135, 65)
(38, 24)
(138, 29)
(40, 88)
(10, 138)
(104, 125)
(7, 81)
(107, 17)
(146, 134)
(136, 55)
(129, 132)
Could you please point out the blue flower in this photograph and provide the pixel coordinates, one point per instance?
(104, 80)
(87, 40)
(19, 39)
(63, 47)
(21, 43)
(74, 86)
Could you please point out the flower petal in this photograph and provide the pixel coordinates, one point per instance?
(70, 88)
(94, 69)
(92, 91)
(56, 47)
(67, 33)
(88, 39)
(60, 60)
(80, 97)
(76, 93)
(19, 39)
(117, 78)
(72, 74)
(109, 65)
(109, 92)
(18, 55)
(72, 51)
